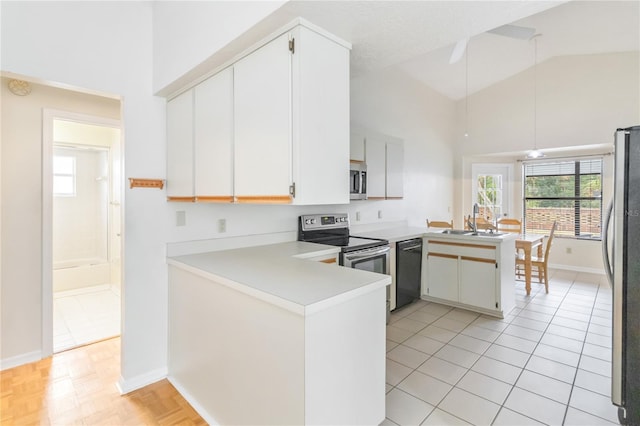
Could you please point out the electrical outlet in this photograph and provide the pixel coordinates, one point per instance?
(357, 216)
(379, 214)
(222, 225)
(181, 218)
(568, 250)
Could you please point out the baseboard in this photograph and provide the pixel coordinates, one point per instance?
(192, 401)
(137, 382)
(18, 360)
(598, 271)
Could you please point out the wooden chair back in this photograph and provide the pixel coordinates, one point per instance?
(549, 242)
(439, 224)
(509, 224)
(481, 223)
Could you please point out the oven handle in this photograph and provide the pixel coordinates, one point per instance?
(363, 254)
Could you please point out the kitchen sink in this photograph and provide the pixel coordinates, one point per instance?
(486, 234)
(456, 232)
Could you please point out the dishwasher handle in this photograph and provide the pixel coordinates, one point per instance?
(410, 248)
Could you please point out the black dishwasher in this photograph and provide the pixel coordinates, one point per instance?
(408, 271)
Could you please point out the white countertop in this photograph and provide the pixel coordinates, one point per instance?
(507, 236)
(395, 234)
(282, 274)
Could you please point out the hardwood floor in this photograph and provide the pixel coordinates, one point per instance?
(78, 387)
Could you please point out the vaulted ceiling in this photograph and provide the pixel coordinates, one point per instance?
(419, 36)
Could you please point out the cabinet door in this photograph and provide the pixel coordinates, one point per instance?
(320, 112)
(213, 134)
(180, 147)
(376, 175)
(262, 124)
(478, 282)
(442, 276)
(395, 167)
(356, 146)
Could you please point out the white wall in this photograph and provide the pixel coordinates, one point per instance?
(105, 47)
(186, 33)
(392, 103)
(21, 232)
(581, 101)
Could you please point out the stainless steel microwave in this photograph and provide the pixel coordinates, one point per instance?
(358, 181)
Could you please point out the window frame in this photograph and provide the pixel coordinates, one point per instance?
(576, 198)
(72, 175)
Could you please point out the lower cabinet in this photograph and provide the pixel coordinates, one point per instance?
(478, 282)
(470, 274)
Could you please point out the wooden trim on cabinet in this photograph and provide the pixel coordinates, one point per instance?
(478, 259)
(214, 198)
(264, 199)
(462, 244)
(182, 199)
(332, 260)
(446, 256)
(356, 162)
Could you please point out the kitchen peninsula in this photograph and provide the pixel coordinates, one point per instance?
(273, 335)
(470, 270)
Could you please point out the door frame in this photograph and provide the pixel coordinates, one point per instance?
(48, 117)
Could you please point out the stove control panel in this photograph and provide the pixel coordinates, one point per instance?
(324, 221)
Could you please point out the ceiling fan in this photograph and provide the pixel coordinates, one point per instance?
(508, 30)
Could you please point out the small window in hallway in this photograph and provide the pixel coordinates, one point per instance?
(64, 176)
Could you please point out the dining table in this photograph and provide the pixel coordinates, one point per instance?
(526, 243)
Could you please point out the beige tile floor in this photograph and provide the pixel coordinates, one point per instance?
(547, 362)
(85, 316)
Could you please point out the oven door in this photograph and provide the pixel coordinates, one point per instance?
(374, 259)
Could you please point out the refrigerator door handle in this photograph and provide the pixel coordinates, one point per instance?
(605, 244)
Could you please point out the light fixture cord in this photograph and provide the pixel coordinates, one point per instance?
(535, 93)
(466, 90)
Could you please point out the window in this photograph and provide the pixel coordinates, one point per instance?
(489, 196)
(567, 191)
(64, 176)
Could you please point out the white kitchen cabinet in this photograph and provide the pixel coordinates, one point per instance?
(356, 146)
(213, 138)
(199, 142)
(395, 170)
(442, 272)
(385, 167)
(180, 128)
(471, 272)
(291, 121)
(478, 282)
(375, 151)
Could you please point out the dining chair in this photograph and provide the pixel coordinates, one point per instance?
(439, 224)
(539, 264)
(509, 224)
(481, 223)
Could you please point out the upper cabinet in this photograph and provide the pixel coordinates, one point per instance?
(199, 142)
(384, 156)
(284, 109)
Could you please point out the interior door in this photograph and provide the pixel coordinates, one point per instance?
(492, 189)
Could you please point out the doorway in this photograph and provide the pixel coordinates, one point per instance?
(85, 193)
(491, 189)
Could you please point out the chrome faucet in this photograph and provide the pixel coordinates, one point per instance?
(473, 225)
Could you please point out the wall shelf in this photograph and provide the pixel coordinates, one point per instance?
(146, 183)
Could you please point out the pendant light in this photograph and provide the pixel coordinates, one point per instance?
(535, 152)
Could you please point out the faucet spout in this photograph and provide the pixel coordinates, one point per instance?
(474, 225)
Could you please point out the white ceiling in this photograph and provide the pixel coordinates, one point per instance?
(418, 36)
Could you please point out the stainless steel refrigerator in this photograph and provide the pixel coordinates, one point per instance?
(622, 264)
